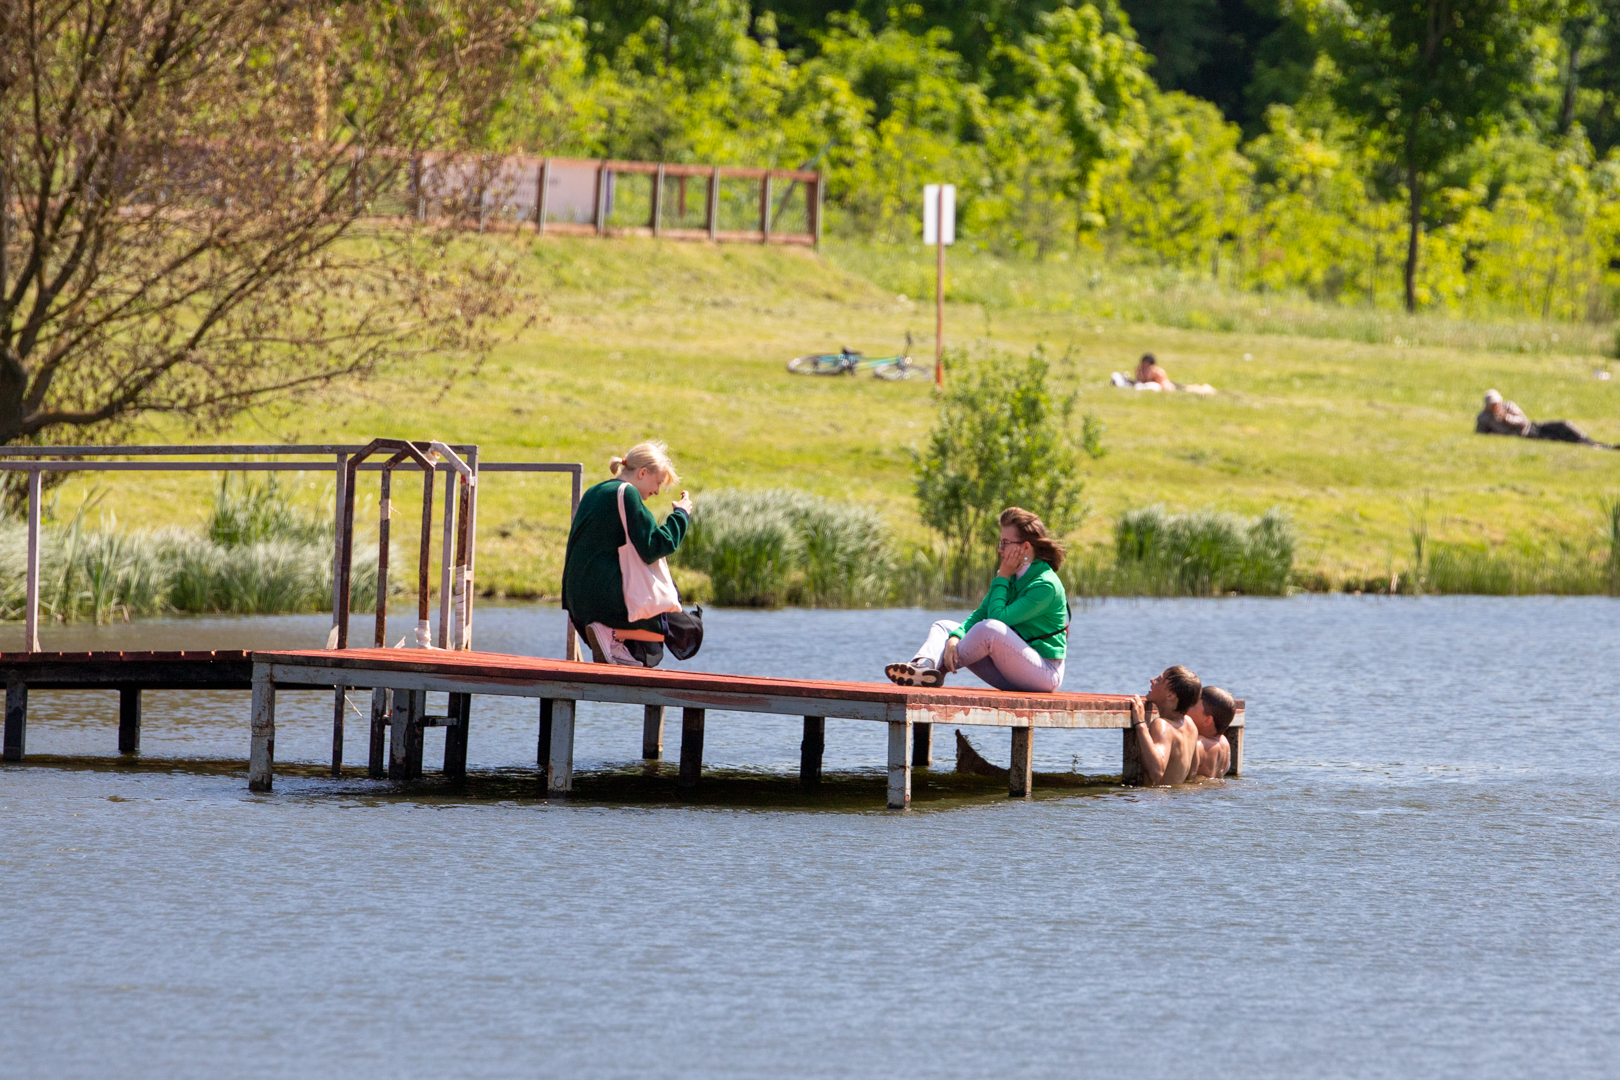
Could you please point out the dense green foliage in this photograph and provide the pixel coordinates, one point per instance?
(1265, 146)
(1003, 438)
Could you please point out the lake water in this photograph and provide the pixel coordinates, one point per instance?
(1417, 876)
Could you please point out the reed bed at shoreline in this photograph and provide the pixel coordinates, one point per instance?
(258, 555)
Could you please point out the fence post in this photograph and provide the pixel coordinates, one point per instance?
(601, 198)
(542, 197)
(31, 626)
(714, 204)
(765, 208)
(815, 212)
(658, 201)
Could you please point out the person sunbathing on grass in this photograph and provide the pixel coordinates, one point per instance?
(1212, 715)
(1017, 637)
(1150, 376)
(1501, 417)
(1168, 741)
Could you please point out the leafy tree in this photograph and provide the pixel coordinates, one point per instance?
(183, 187)
(1426, 79)
(1243, 55)
(1003, 438)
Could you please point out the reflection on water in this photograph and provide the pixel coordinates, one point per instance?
(1416, 877)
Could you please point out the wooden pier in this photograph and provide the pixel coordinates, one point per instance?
(401, 679)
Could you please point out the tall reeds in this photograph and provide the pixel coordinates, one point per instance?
(259, 554)
(1202, 553)
(769, 548)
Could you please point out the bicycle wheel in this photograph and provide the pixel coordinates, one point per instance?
(895, 370)
(822, 364)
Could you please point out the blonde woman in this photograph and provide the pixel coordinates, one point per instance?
(593, 587)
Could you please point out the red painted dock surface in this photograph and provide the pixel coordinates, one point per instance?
(534, 670)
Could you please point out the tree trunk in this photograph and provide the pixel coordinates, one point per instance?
(1414, 229)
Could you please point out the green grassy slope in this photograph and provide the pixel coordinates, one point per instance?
(635, 339)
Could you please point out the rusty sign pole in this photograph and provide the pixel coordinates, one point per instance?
(939, 229)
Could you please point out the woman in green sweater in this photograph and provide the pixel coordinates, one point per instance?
(1017, 637)
(592, 585)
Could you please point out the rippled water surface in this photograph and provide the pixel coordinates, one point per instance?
(1417, 875)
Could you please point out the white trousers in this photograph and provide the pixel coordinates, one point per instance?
(996, 654)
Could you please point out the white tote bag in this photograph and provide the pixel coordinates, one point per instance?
(648, 590)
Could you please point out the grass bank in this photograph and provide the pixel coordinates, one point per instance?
(1341, 430)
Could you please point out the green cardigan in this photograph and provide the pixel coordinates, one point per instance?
(1033, 605)
(592, 586)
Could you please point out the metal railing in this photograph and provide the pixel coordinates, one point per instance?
(458, 461)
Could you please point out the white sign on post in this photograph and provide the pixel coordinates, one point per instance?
(931, 214)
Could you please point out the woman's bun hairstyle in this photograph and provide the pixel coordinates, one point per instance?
(1033, 531)
(647, 455)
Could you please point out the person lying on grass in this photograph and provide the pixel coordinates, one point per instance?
(1212, 715)
(1150, 376)
(1169, 740)
(1017, 637)
(1500, 417)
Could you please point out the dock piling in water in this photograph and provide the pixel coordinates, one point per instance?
(16, 738)
(129, 719)
(262, 759)
(810, 750)
(652, 733)
(1020, 776)
(691, 746)
(922, 745)
(560, 768)
(900, 764)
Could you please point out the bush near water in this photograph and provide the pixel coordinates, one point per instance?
(259, 554)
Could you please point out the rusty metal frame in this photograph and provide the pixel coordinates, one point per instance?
(31, 460)
(402, 450)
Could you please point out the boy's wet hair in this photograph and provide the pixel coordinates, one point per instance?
(1185, 685)
(1220, 706)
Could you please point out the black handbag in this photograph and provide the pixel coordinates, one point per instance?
(683, 632)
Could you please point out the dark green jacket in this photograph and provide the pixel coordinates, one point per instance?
(592, 587)
(1033, 605)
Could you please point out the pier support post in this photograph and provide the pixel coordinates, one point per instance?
(262, 760)
(922, 746)
(405, 735)
(810, 750)
(899, 764)
(652, 731)
(1020, 776)
(560, 767)
(1234, 739)
(129, 719)
(1130, 769)
(16, 738)
(377, 766)
(691, 746)
(340, 700)
(455, 735)
(542, 750)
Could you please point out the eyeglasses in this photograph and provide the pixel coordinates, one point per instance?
(1005, 544)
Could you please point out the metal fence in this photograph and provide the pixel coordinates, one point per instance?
(574, 196)
(460, 464)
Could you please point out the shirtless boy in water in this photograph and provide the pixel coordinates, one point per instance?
(1169, 741)
(1212, 716)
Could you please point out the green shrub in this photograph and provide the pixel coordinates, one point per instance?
(1203, 553)
(252, 513)
(768, 548)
